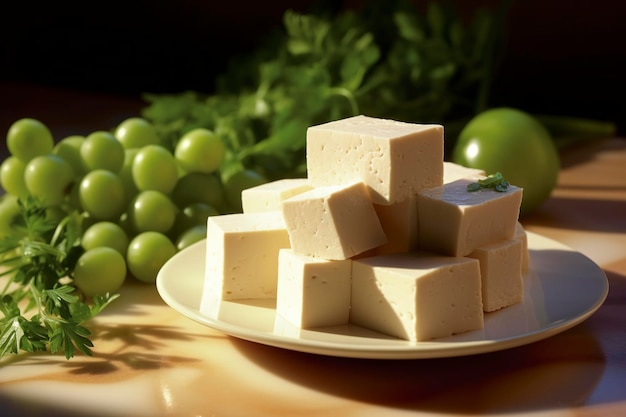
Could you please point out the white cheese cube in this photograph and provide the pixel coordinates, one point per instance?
(313, 292)
(335, 222)
(269, 196)
(520, 234)
(453, 221)
(399, 222)
(453, 172)
(394, 159)
(242, 256)
(501, 273)
(416, 296)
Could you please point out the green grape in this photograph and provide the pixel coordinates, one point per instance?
(191, 236)
(99, 271)
(152, 211)
(102, 195)
(105, 234)
(195, 214)
(28, 138)
(154, 168)
(136, 132)
(48, 177)
(239, 181)
(147, 252)
(12, 176)
(9, 212)
(200, 150)
(100, 150)
(126, 173)
(196, 187)
(69, 149)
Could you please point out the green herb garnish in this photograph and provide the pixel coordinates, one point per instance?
(388, 60)
(37, 260)
(495, 181)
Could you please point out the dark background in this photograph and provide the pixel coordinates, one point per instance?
(563, 57)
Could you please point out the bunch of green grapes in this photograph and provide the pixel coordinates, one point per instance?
(140, 202)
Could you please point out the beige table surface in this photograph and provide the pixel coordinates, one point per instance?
(152, 361)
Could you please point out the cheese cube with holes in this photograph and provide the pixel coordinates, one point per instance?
(501, 273)
(454, 221)
(242, 256)
(417, 296)
(334, 222)
(269, 196)
(394, 159)
(453, 172)
(399, 222)
(313, 292)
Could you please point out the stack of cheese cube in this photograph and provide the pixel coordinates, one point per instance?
(382, 234)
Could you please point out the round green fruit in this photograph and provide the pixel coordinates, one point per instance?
(99, 271)
(514, 143)
(28, 138)
(147, 253)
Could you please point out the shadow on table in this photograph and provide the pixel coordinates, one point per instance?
(134, 297)
(582, 152)
(555, 373)
(581, 214)
(124, 353)
(132, 348)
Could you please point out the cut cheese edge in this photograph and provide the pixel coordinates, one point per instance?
(394, 159)
(399, 223)
(269, 196)
(417, 296)
(453, 221)
(313, 292)
(453, 172)
(501, 273)
(335, 222)
(520, 234)
(242, 257)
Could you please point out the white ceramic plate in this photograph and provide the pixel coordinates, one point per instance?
(562, 289)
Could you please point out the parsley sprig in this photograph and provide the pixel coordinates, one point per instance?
(387, 59)
(37, 261)
(495, 182)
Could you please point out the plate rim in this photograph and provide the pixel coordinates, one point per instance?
(400, 349)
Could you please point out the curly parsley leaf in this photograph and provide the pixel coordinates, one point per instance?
(37, 259)
(494, 182)
(386, 59)
(67, 336)
(11, 335)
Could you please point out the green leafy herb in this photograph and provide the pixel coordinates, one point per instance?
(495, 182)
(36, 261)
(386, 60)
